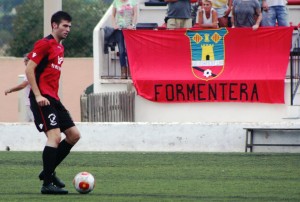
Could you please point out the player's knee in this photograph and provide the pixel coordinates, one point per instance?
(77, 137)
(74, 138)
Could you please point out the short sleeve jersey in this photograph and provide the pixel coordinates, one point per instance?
(124, 14)
(48, 54)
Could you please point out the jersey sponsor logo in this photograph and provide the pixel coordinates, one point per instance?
(52, 119)
(34, 54)
(54, 66)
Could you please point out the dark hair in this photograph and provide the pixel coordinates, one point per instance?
(59, 16)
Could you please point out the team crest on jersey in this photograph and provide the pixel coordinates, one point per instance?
(207, 52)
(60, 60)
(52, 119)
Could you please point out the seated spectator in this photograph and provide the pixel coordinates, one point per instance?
(207, 16)
(246, 13)
(179, 14)
(124, 16)
(275, 11)
(223, 9)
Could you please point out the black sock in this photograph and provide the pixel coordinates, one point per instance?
(49, 158)
(63, 150)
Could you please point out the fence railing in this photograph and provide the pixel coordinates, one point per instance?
(108, 107)
(295, 68)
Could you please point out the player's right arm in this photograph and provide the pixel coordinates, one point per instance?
(30, 74)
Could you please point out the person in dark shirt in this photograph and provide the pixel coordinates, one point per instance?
(179, 14)
(51, 117)
(246, 13)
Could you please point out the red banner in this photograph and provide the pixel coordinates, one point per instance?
(219, 65)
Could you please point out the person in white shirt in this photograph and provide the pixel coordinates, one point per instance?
(24, 85)
(223, 8)
(207, 16)
(275, 11)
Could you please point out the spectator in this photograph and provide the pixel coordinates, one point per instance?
(179, 14)
(124, 16)
(207, 16)
(246, 13)
(194, 10)
(24, 84)
(223, 8)
(264, 19)
(275, 11)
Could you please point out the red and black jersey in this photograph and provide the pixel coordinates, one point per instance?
(48, 54)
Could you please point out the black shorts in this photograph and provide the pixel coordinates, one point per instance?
(52, 116)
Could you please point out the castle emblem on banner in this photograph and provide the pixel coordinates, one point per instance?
(207, 49)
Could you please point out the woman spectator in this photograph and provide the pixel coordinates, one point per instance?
(246, 13)
(207, 16)
(223, 9)
(124, 16)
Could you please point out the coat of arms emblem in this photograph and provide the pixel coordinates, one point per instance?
(207, 49)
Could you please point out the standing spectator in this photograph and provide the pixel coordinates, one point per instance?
(223, 8)
(179, 14)
(208, 17)
(124, 16)
(24, 85)
(246, 13)
(194, 10)
(275, 11)
(264, 21)
(50, 116)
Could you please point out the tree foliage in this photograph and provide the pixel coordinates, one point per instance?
(27, 26)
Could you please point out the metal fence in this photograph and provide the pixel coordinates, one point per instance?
(295, 68)
(108, 107)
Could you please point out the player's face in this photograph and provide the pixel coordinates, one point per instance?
(62, 29)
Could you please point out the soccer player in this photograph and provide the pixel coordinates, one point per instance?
(51, 117)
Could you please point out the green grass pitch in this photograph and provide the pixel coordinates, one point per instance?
(155, 177)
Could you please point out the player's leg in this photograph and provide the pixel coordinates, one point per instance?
(65, 146)
(49, 159)
(46, 120)
(50, 153)
(68, 127)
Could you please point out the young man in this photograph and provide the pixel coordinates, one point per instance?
(43, 73)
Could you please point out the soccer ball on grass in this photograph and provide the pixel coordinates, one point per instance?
(84, 182)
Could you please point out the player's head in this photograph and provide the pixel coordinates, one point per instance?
(61, 24)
